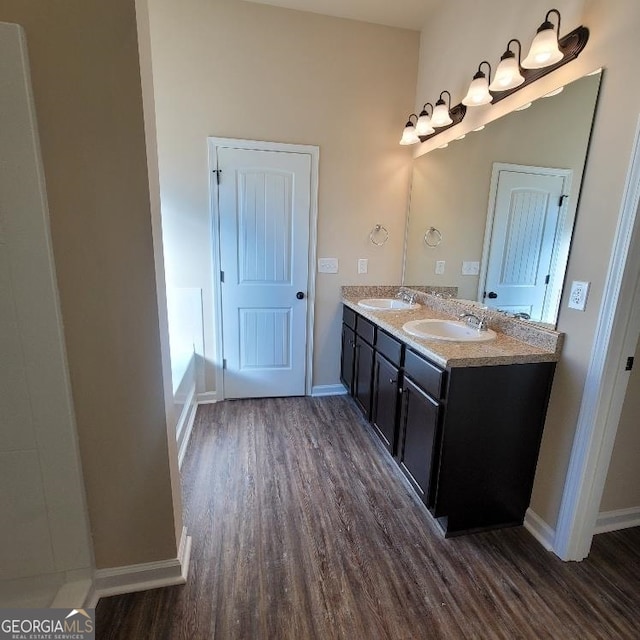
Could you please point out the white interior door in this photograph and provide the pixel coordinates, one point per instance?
(264, 202)
(525, 221)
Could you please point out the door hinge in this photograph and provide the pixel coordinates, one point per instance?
(560, 200)
(217, 172)
(629, 365)
(222, 276)
(224, 363)
(546, 279)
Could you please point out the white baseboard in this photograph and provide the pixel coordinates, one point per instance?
(141, 577)
(328, 390)
(539, 529)
(185, 424)
(619, 519)
(73, 594)
(208, 397)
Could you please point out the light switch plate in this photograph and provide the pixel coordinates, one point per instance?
(327, 265)
(470, 268)
(363, 265)
(440, 267)
(578, 295)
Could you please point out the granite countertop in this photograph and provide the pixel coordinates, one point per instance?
(530, 343)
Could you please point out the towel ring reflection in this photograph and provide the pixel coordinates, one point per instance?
(432, 237)
(380, 231)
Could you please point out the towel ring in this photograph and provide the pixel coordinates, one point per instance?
(378, 230)
(432, 237)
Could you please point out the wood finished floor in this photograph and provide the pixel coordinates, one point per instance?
(303, 528)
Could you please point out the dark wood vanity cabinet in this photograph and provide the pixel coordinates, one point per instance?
(419, 429)
(363, 375)
(467, 438)
(384, 414)
(347, 357)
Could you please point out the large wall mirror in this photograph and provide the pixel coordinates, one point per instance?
(504, 200)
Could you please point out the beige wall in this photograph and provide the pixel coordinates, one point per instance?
(450, 187)
(86, 80)
(614, 26)
(235, 69)
(622, 489)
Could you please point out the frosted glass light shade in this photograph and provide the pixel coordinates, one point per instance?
(441, 117)
(544, 49)
(478, 93)
(409, 135)
(423, 126)
(508, 75)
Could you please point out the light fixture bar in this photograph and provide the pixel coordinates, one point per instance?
(570, 45)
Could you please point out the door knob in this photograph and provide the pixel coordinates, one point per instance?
(300, 295)
(492, 294)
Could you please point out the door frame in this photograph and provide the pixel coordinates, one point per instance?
(565, 221)
(606, 382)
(213, 144)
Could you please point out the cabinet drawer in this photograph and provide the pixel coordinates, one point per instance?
(425, 374)
(366, 330)
(349, 317)
(389, 347)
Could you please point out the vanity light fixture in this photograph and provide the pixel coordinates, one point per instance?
(545, 49)
(423, 126)
(441, 116)
(478, 93)
(409, 135)
(548, 52)
(508, 74)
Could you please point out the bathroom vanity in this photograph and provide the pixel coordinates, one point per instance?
(463, 421)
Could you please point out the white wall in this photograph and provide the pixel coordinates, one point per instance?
(241, 70)
(44, 537)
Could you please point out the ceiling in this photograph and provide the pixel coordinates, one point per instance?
(408, 14)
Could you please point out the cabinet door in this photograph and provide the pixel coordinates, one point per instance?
(384, 411)
(347, 357)
(418, 433)
(363, 375)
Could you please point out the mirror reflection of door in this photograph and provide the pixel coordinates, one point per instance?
(524, 228)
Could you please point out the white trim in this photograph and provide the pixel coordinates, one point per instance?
(618, 519)
(73, 594)
(141, 577)
(605, 384)
(258, 145)
(539, 529)
(185, 423)
(321, 390)
(208, 397)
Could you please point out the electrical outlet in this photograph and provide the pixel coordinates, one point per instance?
(327, 265)
(470, 268)
(363, 265)
(578, 295)
(439, 267)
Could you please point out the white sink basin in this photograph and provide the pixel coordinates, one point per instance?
(448, 331)
(388, 304)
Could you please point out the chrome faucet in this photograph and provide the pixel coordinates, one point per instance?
(474, 321)
(405, 296)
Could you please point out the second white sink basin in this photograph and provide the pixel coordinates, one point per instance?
(381, 304)
(447, 330)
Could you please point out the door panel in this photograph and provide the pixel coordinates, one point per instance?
(527, 207)
(264, 205)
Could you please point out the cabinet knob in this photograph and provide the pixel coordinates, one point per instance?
(392, 381)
